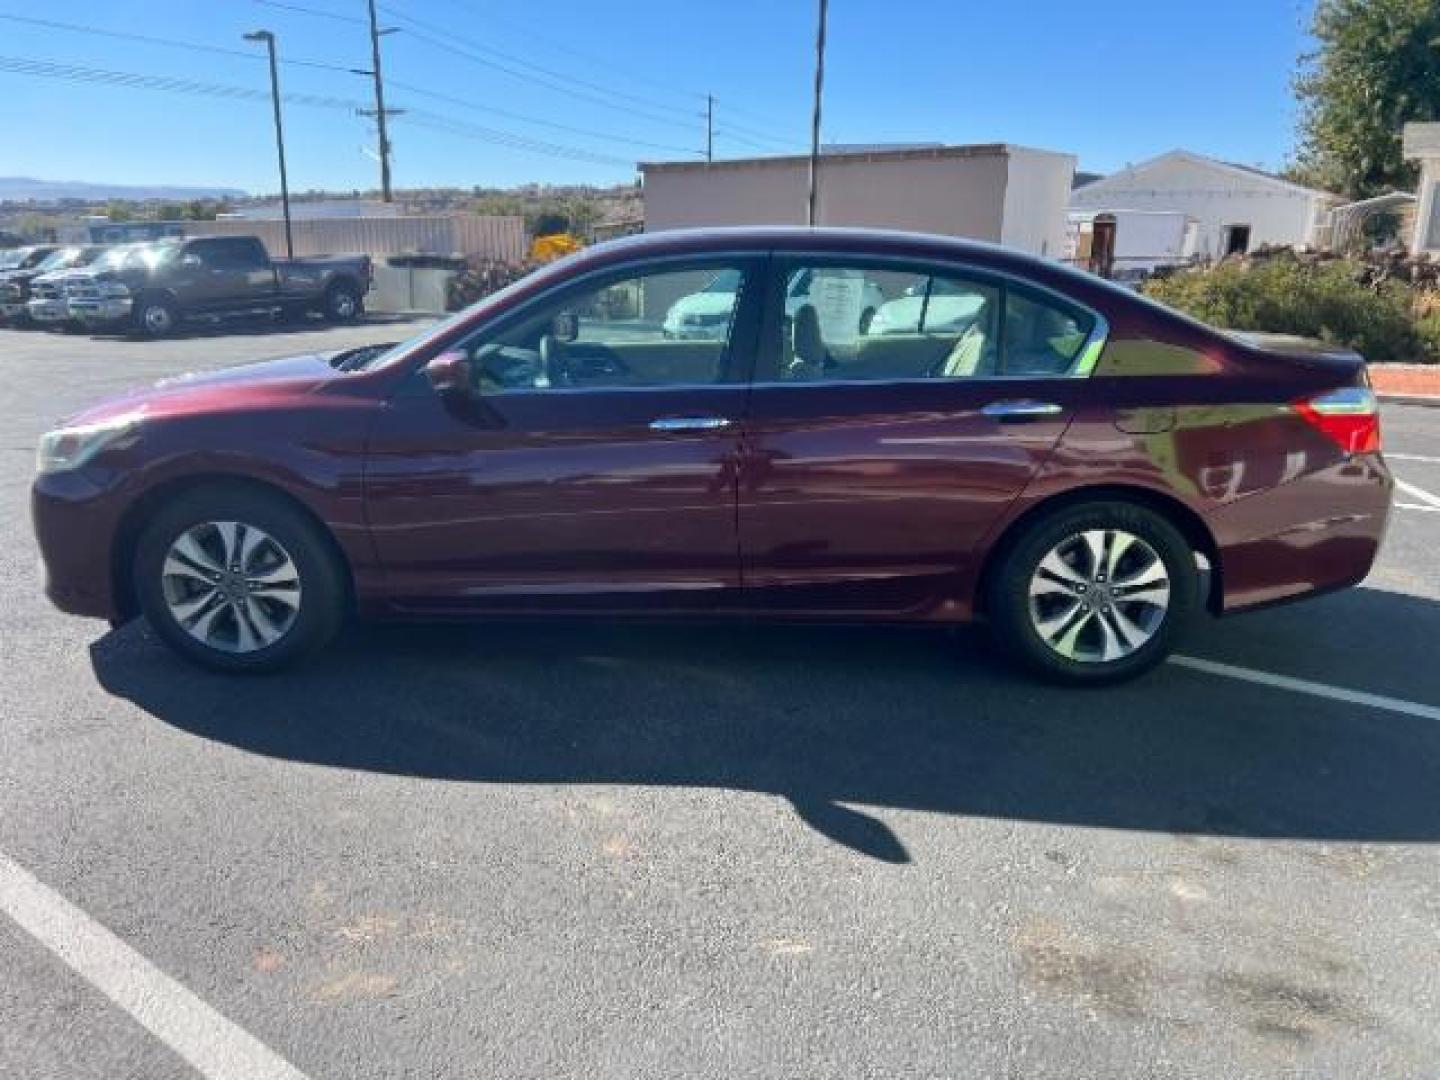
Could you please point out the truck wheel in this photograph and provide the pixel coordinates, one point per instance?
(343, 302)
(156, 316)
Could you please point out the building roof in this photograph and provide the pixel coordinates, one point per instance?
(848, 155)
(1249, 171)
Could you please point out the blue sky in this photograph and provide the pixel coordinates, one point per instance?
(1113, 81)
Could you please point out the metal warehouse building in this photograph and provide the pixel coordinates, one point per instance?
(1006, 194)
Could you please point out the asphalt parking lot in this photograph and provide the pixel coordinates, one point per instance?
(598, 851)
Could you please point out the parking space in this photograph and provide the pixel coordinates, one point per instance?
(599, 850)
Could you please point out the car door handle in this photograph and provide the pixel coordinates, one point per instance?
(689, 423)
(1020, 410)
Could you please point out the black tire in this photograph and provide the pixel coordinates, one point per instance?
(155, 316)
(322, 581)
(343, 302)
(1009, 606)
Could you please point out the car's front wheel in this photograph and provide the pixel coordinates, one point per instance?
(1094, 593)
(238, 580)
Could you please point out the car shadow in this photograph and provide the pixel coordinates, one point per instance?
(830, 718)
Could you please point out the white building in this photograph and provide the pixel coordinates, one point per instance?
(1422, 144)
(1005, 194)
(1236, 208)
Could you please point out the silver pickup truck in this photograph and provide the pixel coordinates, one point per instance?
(154, 288)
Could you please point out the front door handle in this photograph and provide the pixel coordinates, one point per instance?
(1020, 410)
(689, 423)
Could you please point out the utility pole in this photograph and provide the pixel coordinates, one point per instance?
(709, 127)
(815, 119)
(380, 113)
(269, 39)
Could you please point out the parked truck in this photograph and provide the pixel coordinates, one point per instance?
(161, 285)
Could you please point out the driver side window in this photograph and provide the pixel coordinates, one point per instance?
(666, 328)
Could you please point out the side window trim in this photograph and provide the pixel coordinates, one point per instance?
(782, 262)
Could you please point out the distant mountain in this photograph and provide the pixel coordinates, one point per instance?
(25, 189)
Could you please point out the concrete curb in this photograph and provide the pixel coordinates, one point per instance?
(1422, 400)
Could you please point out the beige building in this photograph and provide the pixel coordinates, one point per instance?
(1005, 194)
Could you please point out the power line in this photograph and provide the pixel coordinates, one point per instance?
(195, 88)
(135, 80)
(549, 73)
(149, 39)
(301, 9)
(548, 35)
(524, 119)
(513, 141)
(465, 53)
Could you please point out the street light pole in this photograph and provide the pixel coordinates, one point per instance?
(815, 118)
(269, 39)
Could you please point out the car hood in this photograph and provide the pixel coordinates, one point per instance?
(249, 385)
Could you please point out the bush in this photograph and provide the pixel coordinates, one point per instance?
(1328, 299)
(479, 279)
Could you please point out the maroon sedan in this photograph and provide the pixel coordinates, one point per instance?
(757, 423)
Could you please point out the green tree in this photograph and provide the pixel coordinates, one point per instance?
(1377, 66)
(119, 211)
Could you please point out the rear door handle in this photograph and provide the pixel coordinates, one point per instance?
(1020, 410)
(689, 423)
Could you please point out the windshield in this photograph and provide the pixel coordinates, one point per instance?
(495, 299)
(113, 258)
(59, 260)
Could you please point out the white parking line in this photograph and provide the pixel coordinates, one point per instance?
(1418, 493)
(1305, 686)
(217, 1048)
(1412, 457)
(1417, 506)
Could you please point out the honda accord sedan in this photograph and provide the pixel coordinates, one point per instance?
(1082, 469)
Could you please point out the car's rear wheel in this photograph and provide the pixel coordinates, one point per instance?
(1094, 593)
(156, 316)
(343, 302)
(238, 580)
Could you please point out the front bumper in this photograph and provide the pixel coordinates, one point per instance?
(77, 519)
(101, 311)
(48, 311)
(1313, 535)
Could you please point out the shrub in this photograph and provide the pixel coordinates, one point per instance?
(1327, 299)
(479, 279)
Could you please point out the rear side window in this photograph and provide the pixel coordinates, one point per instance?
(858, 321)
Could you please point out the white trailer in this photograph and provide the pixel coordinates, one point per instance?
(1128, 245)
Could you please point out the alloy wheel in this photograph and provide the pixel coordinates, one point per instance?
(231, 586)
(1099, 595)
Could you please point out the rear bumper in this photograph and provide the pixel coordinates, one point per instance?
(1313, 535)
(76, 520)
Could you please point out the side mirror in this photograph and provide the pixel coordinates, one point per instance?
(565, 327)
(449, 374)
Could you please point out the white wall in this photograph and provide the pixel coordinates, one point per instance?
(1215, 197)
(979, 193)
(1036, 192)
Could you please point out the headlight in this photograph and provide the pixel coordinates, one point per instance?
(72, 448)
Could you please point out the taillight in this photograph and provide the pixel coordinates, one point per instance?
(1350, 418)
